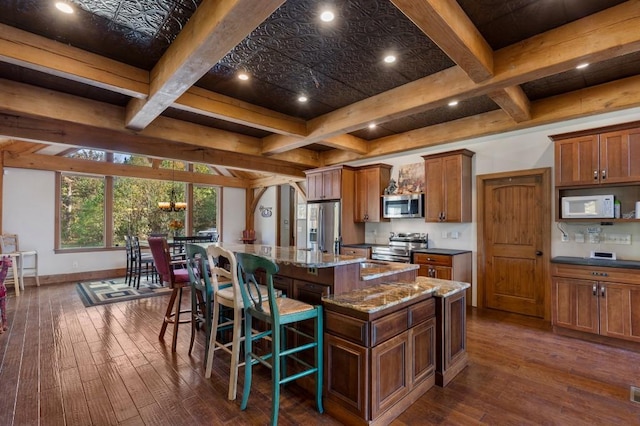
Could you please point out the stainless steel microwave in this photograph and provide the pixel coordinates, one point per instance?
(401, 206)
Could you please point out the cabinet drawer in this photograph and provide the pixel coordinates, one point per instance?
(355, 251)
(421, 312)
(432, 259)
(388, 326)
(284, 284)
(605, 274)
(311, 293)
(347, 327)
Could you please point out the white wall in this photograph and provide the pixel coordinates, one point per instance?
(233, 214)
(266, 226)
(521, 150)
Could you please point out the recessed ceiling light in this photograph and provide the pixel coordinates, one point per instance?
(327, 16)
(302, 98)
(453, 103)
(243, 76)
(581, 66)
(64, 7)
(372, 125)
(389, 59)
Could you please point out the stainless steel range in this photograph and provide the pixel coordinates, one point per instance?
(400, 246)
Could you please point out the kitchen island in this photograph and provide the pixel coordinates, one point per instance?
(308, 275)
(387, 344)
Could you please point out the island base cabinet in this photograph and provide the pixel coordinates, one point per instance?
(451, 339)
(369, 383)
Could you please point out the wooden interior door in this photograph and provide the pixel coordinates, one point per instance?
(514, 248)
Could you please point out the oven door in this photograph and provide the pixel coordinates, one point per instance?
(390, 257)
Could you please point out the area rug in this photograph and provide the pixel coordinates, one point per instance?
(115, 290)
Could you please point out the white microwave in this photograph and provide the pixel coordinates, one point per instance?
(587, 207)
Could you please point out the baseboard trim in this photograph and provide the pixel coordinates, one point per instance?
(74, 277)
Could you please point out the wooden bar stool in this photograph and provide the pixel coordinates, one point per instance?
(177, 279)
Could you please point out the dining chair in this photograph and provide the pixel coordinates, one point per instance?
(128, 246)
(280, 314)
(177, 279)
(9, 245)
(140, 259)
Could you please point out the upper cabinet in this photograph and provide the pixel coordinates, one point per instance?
(324, 184)
(370, 184)
(611, 157)
(448, 186)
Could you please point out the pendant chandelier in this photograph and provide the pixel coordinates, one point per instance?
(172, 205)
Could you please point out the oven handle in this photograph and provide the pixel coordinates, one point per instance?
(389, 258)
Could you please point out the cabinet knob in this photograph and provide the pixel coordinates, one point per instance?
(602, 290)
(538, 253)
(595, 175)
(604, 174)
(595, 289)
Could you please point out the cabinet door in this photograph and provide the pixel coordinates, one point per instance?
(452, 186)
(370, 184)
(361, 210)
(620, 311)
(331, 184)
(575, 304)
(390, 379)
(346, 374)
(356, 251)
(314, 186)
(576, 161)
(442, 272)
(620, 156)
(310, 292)
(422, 344)
(434, 196)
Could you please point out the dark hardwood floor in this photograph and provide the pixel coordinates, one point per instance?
(64, 364)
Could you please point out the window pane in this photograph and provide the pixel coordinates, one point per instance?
(82, 213)
(205, 208)
(88, 154)
(135, 207)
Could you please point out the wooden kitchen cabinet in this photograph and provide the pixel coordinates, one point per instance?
(375, 369)
(597, 300)
(445, 264)
(448, 186)
(611, 157)
(324, 184)
(370, 184)
(451, 337)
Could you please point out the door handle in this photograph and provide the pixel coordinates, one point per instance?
(595, 289)
(538, 253)
(602, 290)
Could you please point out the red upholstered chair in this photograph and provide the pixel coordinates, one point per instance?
(177, 279)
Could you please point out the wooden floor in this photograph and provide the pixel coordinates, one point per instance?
(62, 363)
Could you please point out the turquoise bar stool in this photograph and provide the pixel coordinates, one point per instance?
(279, 314)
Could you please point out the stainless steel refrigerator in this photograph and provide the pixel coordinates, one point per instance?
(323, 226)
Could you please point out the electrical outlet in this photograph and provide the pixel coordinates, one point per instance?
(455, 235)
(444, 235)
(579, 237)
(565, 238)
(74, 265)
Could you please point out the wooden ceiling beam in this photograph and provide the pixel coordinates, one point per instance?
(215, 28)
(25, 100)
(57, 131)
(618, 95)
(514, 102)
(446, 24)
(49, 56)
(76, 165)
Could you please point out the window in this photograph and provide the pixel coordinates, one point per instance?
(98, 211)
(82, 211)
(205, 208)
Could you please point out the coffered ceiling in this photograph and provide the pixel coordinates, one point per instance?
(160, 77)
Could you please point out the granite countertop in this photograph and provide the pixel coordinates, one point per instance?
(587, 261)
(292, 255)
(377, 269)
(381, 296)
(448, 252)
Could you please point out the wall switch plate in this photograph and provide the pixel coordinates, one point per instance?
(445, 235)
(455, 235)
